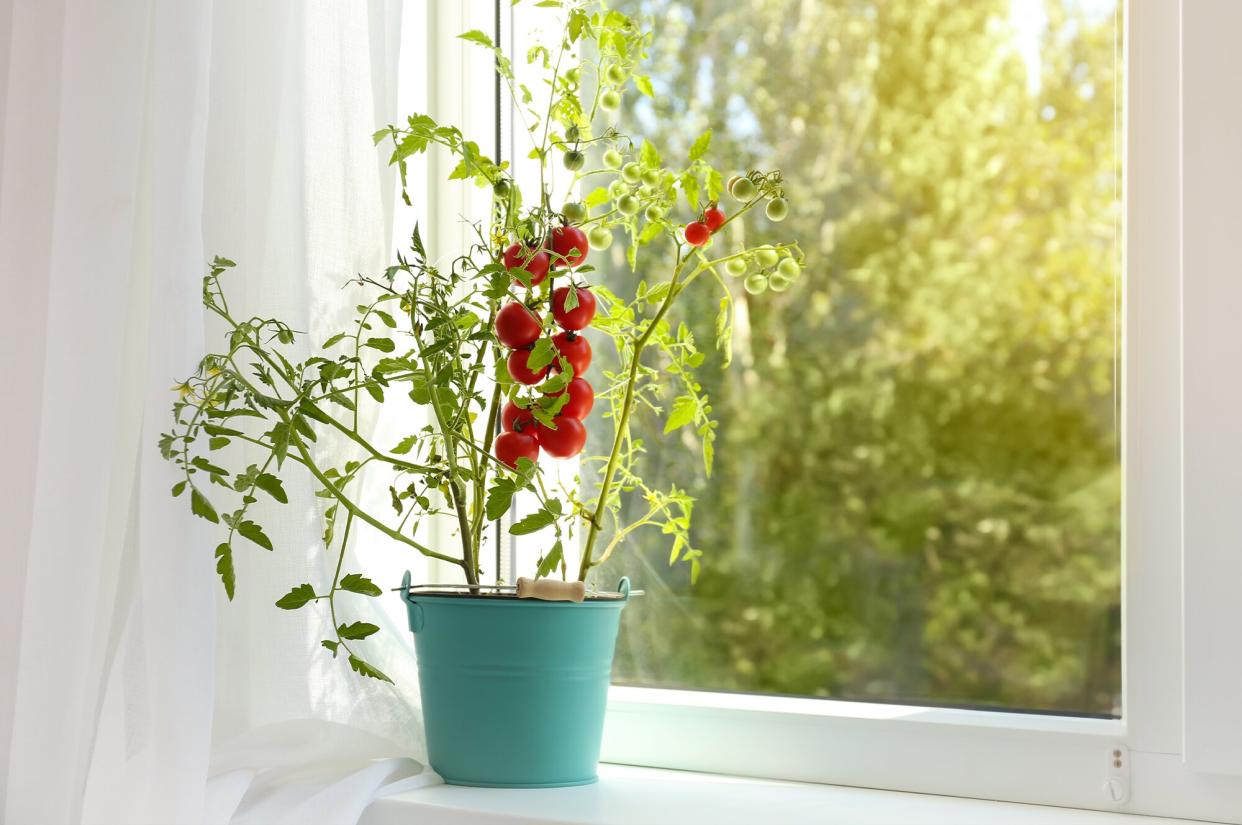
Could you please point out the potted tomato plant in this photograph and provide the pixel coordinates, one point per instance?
(496, 348)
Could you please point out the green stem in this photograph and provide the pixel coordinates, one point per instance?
(340, 496)
(623, 423)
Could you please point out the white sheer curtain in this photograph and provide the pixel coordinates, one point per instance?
(140, 137)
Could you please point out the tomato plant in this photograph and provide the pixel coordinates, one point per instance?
(470, 338)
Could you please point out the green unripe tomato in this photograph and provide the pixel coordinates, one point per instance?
(767, 257)
(600, 237)
(755, 283)
(732, 180)
(617, 188)
(651, 177)
(645, 191)
(574, 160)
(502, 189)
(654, 213)
(574, 212)
(573, 75)
(777, 209)
(615, 75)
(572, 134)
(612, 159)
(631, 173)
(628, 205)
(610, 101)
(737, 267)
(743, 189)
(789, 268)
(778, 282)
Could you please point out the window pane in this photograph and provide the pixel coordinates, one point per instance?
(916, 493)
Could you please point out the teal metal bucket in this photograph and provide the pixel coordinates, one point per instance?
(514, 690)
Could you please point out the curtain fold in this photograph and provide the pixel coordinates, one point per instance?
(138, 139)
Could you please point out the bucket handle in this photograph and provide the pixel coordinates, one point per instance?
(413, 608)
(623, 587)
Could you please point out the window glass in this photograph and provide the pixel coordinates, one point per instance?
(916, 486)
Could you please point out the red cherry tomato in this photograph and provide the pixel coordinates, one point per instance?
(521, 372)
(581, 399)
(713, 218)
(579, 317)
(512, 446)
(566, 441)
(515, 419)
(570, 246)
(517, 326)
(697, 233)
(520, 257)
(575, 349)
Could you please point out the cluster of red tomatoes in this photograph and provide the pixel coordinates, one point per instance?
(700, 231)
(520, 328)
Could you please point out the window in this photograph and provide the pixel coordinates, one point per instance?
(917, 487)
(1144, 675)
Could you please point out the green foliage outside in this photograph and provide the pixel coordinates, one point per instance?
(916, 493)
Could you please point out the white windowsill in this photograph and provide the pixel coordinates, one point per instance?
(632, 795)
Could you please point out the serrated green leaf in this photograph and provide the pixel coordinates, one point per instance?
(648, 156)
(204, 464)
(541, 355)
(597, 197)
(357, 583)
(381, 344)
(334, 340)
(533, 523)
(476, 36)
(701, 144)
(217, 442)
(685, 408)
(331, 645)
(178, 488)
(200, 506)
(499, 499)
(405, 445)
(299, 596)
(357, 630)
(549, 562)
(364, 669)
(224, 566)
(255, 533)
(272, 485)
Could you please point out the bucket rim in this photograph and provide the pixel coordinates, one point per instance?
(504, 593)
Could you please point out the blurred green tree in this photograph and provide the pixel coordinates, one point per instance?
(916, 493)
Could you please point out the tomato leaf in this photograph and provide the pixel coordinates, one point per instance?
(684, 410)
(549, 562)
(357, 630)
(224, 566)
(200, 506)
(364, 669)
(272, 485)
(299, 596)
(533, 523)
(699, 148)
(255, 533)
(357, 583)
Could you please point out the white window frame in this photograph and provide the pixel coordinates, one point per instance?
(1168, 755)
